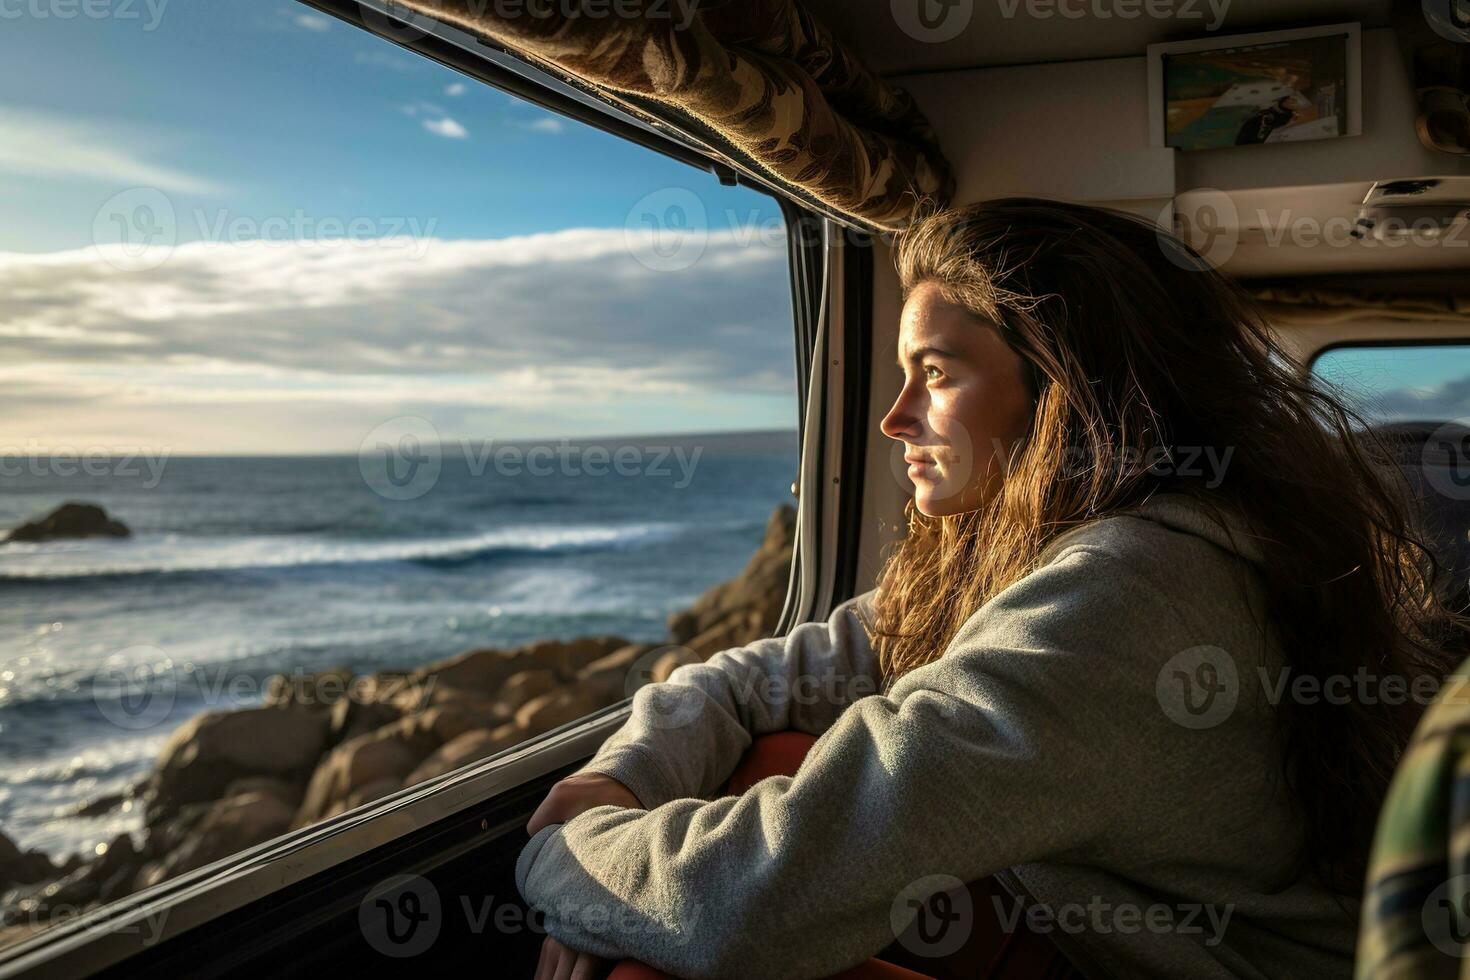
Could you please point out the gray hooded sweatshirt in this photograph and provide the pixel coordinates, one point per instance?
(1100, 734)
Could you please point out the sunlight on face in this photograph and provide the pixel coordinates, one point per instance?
(963, 405)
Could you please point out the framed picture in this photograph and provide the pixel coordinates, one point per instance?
(1270, 87)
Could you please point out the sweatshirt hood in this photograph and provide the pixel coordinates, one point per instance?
(1217, 522)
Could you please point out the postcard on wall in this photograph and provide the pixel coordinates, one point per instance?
(1270, 87)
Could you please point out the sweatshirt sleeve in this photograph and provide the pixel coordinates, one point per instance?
(685, 736)
(949, 775)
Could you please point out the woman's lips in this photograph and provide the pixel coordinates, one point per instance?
(921, 467)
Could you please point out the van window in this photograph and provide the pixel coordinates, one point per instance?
(359, 422)
(1400, 383)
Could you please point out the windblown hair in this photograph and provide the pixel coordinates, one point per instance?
(1139, 349)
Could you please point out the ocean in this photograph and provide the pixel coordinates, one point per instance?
(240, 568)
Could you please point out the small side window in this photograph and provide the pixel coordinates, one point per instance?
(1396, 384)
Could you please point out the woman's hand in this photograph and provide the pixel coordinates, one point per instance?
(561, 963)
(577, 794)
(572, 796)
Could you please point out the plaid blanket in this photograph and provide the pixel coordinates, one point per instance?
(1416, 908)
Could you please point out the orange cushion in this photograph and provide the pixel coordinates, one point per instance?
(770, 755)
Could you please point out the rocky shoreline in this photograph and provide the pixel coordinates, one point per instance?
(325, 743)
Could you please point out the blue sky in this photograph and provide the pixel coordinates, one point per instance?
(278, 115)
(262, 127)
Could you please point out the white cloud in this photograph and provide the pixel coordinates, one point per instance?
(292, 344)
(548, 125)
(35, 145)
(455, 89)
(313, 22)
(447, 128)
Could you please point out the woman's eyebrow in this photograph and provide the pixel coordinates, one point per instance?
(930, 350)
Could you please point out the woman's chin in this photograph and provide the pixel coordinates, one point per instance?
(932, 503)
(935, 498)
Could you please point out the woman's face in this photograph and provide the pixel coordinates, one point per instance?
(963, 406)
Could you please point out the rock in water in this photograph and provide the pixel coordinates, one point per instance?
(71, 520)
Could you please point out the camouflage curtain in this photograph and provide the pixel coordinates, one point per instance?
(1416, 906)
(762, 74)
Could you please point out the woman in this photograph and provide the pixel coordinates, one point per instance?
(1135, 530)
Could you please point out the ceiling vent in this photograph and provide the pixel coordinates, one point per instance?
(1416, 208)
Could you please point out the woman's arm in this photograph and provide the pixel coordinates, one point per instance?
(1004, 751)
(686, 736)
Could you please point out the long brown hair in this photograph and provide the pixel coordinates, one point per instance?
(1138, 349)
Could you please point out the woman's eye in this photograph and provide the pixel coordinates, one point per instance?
(932, 373)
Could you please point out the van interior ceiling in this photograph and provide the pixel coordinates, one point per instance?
(1358, 241)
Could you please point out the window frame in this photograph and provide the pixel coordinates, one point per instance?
(830, 268)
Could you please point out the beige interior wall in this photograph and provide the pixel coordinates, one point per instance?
(1305, 342)
(1079, 131)
(1072, 130)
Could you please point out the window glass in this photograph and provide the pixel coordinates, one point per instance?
(1409, 383)
(359, 422)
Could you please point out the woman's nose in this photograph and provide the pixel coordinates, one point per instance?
(901, 421)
